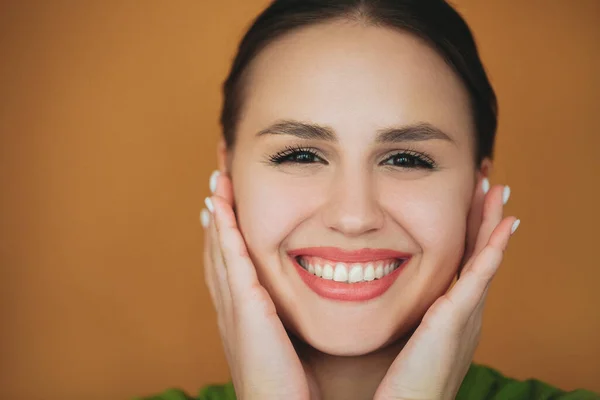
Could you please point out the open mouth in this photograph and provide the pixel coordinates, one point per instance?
(349, 272)
(355, 275)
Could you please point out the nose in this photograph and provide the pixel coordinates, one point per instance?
(353, 208)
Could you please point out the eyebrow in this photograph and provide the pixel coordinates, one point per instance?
(310, 131)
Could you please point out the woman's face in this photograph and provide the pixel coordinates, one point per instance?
(353, 138)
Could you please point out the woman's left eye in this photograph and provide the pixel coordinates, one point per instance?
(409, 160)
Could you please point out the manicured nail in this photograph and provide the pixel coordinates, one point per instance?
(485, 185)
(515, 226)
(209, 204)
(212, 183)
(204, 217)
(505, 194)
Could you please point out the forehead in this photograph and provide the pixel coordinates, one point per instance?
(354, 78)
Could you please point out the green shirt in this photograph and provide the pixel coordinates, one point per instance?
(480, 383)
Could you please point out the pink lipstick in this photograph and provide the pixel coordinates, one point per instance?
(348, 275)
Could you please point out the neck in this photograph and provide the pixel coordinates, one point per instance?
(346, 377)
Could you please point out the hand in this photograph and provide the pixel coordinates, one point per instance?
(437, 357)
(261, 358)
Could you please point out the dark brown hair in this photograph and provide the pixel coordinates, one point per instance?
(435, 21)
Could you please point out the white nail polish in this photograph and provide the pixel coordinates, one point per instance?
(204, 217)
(505, 194)
(485, 185)
(209, 204)
(212, 183)
(515, 226)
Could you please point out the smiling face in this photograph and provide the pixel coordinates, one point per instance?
(353, 138)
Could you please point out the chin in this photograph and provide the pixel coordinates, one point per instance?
(347, 332)
(348, 348)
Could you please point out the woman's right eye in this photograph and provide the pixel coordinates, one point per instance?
(297, 156)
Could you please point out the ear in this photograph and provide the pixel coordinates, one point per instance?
(223, 156)
(485, 169)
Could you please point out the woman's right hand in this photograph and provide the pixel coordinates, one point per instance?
(262, 360)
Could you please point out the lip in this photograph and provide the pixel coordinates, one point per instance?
(362, 291)
(349, 256)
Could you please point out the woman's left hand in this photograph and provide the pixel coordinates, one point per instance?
(437, 357)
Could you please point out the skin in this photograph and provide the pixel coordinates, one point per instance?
(355, 80)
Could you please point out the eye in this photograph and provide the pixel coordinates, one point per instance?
(410, 159)
(297, 155)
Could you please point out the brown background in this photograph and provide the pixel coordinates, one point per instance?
(108, 126)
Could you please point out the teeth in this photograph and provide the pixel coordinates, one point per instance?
(318, 270)
(350, 273)
(341, 273)
(379, 271)
(356, 274)
(369, 273)
(328, 272)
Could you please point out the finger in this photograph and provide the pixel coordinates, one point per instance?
(216, 276)
(217, 184)
(499, 240)
(214, 281)
(241, 273)
(220, 184)
(218, 268)
(475, 217)
(209, 276)
(493, 206)
(472, 286)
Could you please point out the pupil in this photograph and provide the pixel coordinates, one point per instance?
(303, 157)
(403, 160)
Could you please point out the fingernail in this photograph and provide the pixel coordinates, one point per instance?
(505, 194)
(204, 217)
(212, 183)
(515, 226)
(209, 204)
(485, 185)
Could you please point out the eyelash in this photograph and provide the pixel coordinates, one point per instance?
(287, 154)
(418, 160)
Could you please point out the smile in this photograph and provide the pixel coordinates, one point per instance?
(351, 272)
(356, 275)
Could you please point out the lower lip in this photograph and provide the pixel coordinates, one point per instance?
(361, 291)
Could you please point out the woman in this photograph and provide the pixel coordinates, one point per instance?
(357, 138)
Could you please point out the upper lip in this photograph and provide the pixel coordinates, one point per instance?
(342, 255)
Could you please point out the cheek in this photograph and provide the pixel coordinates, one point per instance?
(433, 212)
(269, 206)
